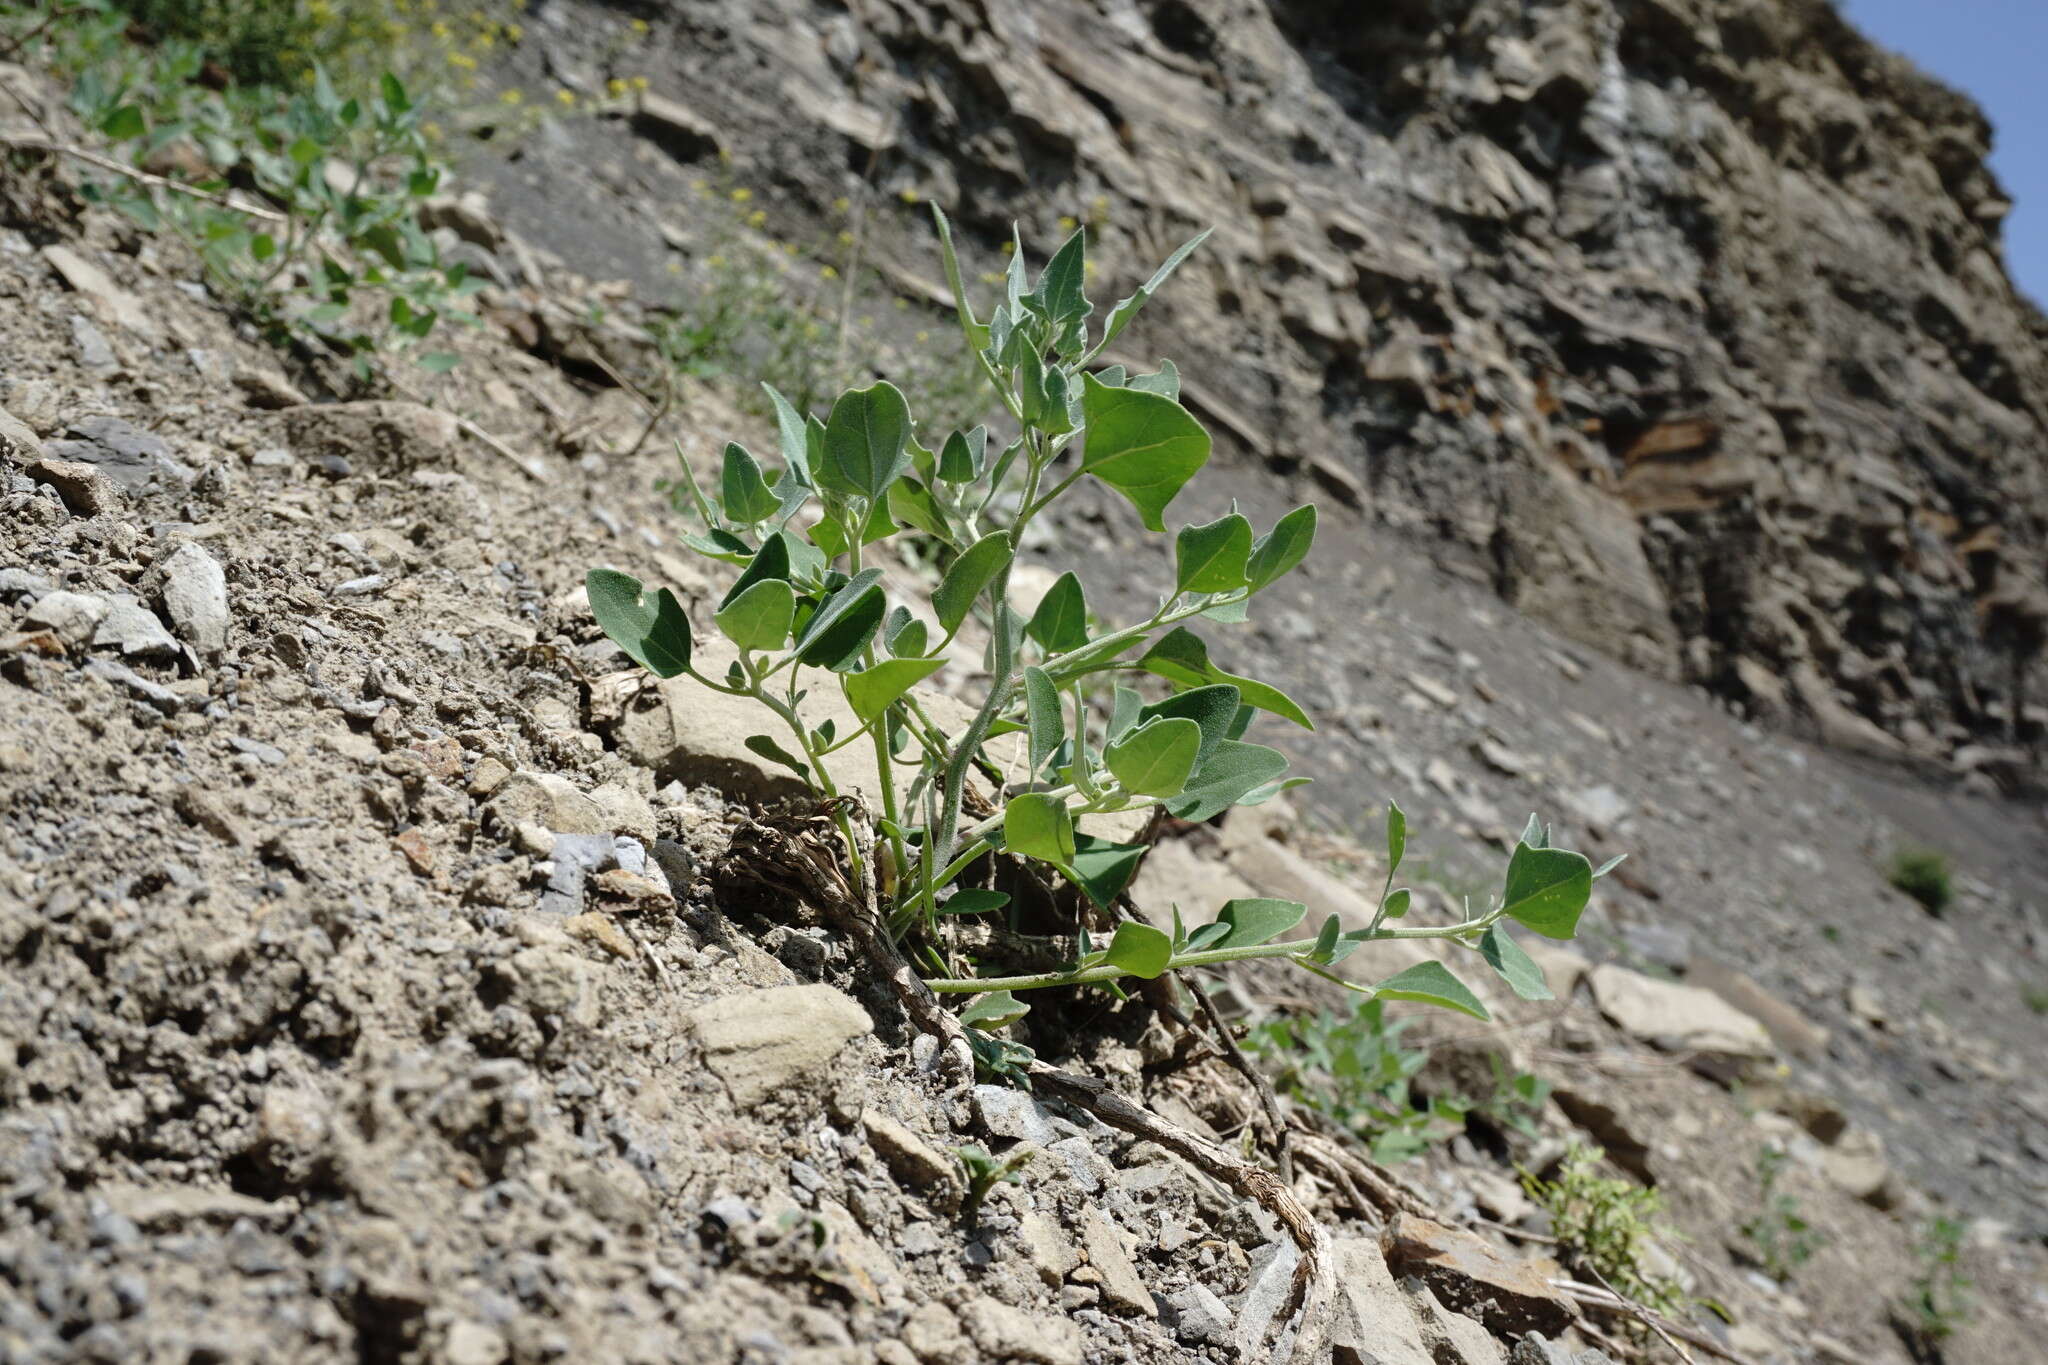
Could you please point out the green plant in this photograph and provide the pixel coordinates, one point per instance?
(809, 609)
(1922, 874)
(2036, 998)
(1606, 1225)
(303, 206)
(1941, 1302)
(984, 1172)
(1784, 1240)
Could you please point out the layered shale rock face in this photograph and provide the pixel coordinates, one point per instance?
(1686, 317)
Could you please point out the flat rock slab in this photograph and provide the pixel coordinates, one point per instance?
(762, 1042)
(1373, 1323)
(1466, 1273)
(1677, 1018)
(123, 452)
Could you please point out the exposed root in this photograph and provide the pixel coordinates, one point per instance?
(801, 858)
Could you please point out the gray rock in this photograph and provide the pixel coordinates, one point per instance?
(18, 441)
(133, 629)
(1009, 1113)
(1373, 1321)
(1201, 1318)
(133, 458)
(195, 595)
(70, 616)
(21, 583)
(95, 352)
(768, 1043)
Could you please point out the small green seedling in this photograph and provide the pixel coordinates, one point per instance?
(985, 1172)
(1607, 1226)
(1941, 1302)
(1922, 874)
(810, 610)
(1783, 1239)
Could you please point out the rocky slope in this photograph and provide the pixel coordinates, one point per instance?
(1684, 319)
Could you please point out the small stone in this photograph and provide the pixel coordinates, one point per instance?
(1465, 1271)
(1856, 1165)
(195, 595)
(1121, 1287)
(599, 929)
(417, 853)
(70, 616)
(1203, 1319)
(1435, 691)
(916, 1164)
(1453, 1338)
(1006, 1333)
(262, 388)
(632, 891)
(361, 587)
(1051, 1252)
(95, 352)
(1678, 1018)
(133, 629)
(205, 810)
(762, 1043)
(489, 775)
(124, 452)
(83, 488)
(472, 1343)
(624, 811)
(18, 440)
(547, 799)
(1010, 1113)
(165, 699)
(114, 303)
(933, 1335)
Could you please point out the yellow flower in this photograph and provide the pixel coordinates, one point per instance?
(828, 272)
(991, 277)
(566, 98)
(511, 96)
(462, 60)
(639, 26)
(439, 29)
(699, 187)
(513, 33)
(616, 86)
(1088, 269)
(789, 248)
(757, 217)
(742, 195)
(1009, 247)
(846, 239)
(924, 336)
(1068, 223)
(715, 262)
(675, 268)
(431, 129)
(902, 304)
(638, 82)
(907, 195)
(840, 204)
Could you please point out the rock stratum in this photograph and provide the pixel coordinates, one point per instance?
(1685, 319)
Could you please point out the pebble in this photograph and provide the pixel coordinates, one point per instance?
(70, 616)
(357, 587)
(195, 594)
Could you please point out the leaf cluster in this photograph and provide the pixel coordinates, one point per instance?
(1783, 1238)
(1606, 1224)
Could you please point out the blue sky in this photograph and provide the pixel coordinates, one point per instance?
(1994, 51)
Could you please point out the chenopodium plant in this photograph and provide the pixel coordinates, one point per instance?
(808, 611)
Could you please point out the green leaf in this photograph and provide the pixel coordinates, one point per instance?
(867, 442)
(1140, 950)
(972, 572)
(1211, 557)
(1039, 826)
(1397, 837)
(1144, 446)
(995, 1010)
(439, 362)
(394, 94)
(1398, 901)
(1547, 889)
(1124, 704)
(912, 504)
(977, 334)
(1257, 919)
(124, 123)
(771, 561)
(1104, 869)
(974, 900)
(1165, 381)
(1213, 708)
(844, 623)
(1276, 553)
(1327, 940)
(903, 634)
(960, 458)
(1182, 658)
(1228, 776)
(1059, 295)
(759, 618)
(1047, 725)
(745, 493)
(789, 430)
(1432, 984)
(1121, 315)
(871, 690)
(304, 151)
(775, 753)
(654, 633)
(1609, 866)
(1157, 758)
(1061, 621)
(1515, 967)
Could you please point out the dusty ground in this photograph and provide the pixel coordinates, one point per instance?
(313, 1047)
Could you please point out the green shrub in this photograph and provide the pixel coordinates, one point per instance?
(810, 610)
(1606, 1225)
(1783, 1239)
(1941, 1302)
(1922, 874)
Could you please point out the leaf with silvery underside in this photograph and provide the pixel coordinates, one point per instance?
(1514, 966)
(903, 635)
(1431, 983)
(745, 494)
(994, 1010)
(912, 504)
(1124, 706)
(791, 433)
(1059, 295)
(977, 334)
(1226, 778)
(1165, 381)
(652, 630)
(962, 456)
(1144, 446)
(1045, 722)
